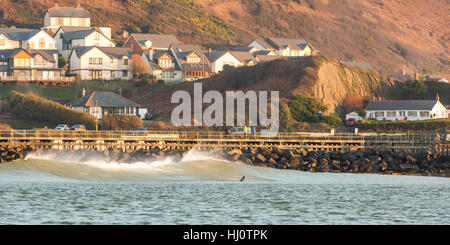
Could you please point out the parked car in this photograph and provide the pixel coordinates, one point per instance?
(78, 127)
(137, 132)
(351, 122)
(240, 130)
(148, 116)
(62, 127)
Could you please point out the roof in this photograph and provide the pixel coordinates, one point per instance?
(103, 99)
(244, 57)
(267, 58)
(284, 42)
(156, 55)
(402, 105)
(68, 12)
(264, 44)
(6, 54)
(19, 35)
(46, 54)
(117, 52)
(74, 28)
(159, 41)
(80, 51)
(215, 55)
(68, 36)
(244, 48)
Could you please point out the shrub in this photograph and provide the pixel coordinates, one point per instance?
(415, 126)
(121, 122)
(33, 107)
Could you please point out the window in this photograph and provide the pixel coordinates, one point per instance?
(193, 60)
(124, 73)
(424, 114)
(59, 21)
(22, 62)
(125, 61)
(412, 113)
(391, 114)
(2, 42)
(113, 74)
(95, 61)
(95, 74)
(167, 74)
(41, 43)
(96, 36)
(401, 113)
(379, 114)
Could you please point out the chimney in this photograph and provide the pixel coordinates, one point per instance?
(83, 93)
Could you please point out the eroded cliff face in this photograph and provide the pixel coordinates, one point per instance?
(335, 81)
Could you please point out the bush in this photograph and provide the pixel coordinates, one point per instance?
(403, 126)
(35, 108)
(306, 109)
(333, 121)
(121, 122)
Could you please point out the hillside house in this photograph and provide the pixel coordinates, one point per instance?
(245, 58)
(100, 104)
(66, 16)
(219, 59)
(144, 42)
(101, 63)
(285, 46)
(26, 39)
(192, 60)
(162, 65)
(31, 65)
(68, 38)
(410, 110)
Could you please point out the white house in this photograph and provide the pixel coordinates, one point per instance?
(66, 16)
(285, 46)
(81, 38)
(410, 110)
(25, 38)
(101, 63)
(354, 115)
(100, 104)
(219, 59)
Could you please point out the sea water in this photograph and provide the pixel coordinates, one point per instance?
(52, 189)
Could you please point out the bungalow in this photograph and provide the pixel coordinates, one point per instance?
(285, 46)
(101, 63)
(66, 16)
(140, 42)
(410, 110)
(26, 39)
(192, 60)
(68, 38)
(219, 59)
(100, 104)
(162, 65)
(245, 58)
(31, 65)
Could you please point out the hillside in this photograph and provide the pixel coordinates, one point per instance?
(323, 78)
(390, 35)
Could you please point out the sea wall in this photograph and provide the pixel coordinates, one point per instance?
(426, 163)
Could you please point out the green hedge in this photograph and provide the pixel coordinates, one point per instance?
(121, 122)
(36, 108)
(403, 126)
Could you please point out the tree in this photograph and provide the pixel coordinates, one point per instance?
(61, 62)
(414, 87)
(352, 102)
(139, 66)
(306, 109)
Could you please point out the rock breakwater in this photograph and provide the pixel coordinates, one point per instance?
(426, 163)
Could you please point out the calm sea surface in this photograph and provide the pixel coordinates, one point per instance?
(197, 190)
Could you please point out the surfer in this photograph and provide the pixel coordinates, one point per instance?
(243, 178)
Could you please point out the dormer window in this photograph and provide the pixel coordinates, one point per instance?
(193, 59)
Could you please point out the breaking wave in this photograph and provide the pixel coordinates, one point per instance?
(194, 166)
